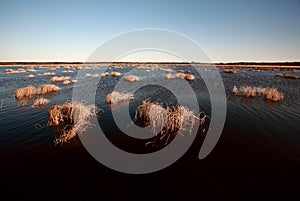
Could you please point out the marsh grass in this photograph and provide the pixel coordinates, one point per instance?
(26, 92)
(71, 119)
(229, 71)
(115, 74)
(116, 97)
(189, 77)
(167, 122)
(40, 102)
(47, 88)
(131, 78)
(271, 94)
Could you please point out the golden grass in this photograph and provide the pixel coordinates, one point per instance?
(30, 76)
(41, 102)
(47, 88)
(30, 70)
(48, 74)
(270, 93)
(229, 71)
(67, 82)
(288, 76)
(116, 97)
(180, 75)
(115, 74)
(26, 92)
(131, 78)
(72, 119)
(167, 122)
(104, 74)
(189, 77)
(235, 90)
(170, 76)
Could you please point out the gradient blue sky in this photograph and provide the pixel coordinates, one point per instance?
(65, 30)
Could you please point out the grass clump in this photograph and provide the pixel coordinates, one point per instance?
(131, 78)
(189, 77)
(25, 93)
(41, 102)
(269, 93)
(71, 119)
(116, 97)
(115, 74)
(229, 71)
(47, 88)
(167, 122)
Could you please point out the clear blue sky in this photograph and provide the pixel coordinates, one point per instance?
(65, 30)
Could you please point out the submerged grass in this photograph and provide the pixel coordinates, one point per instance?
(26, 92)
(269, 93)
(47, 88)
(167, 122)
(71, 119)
(116, 97)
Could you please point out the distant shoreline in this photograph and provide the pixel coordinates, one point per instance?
(295, 65)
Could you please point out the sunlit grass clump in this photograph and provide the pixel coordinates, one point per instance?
(269, 93)
(167, 122)
(116, 97)
(229, 71)
(71, 119)
(115, 74)
(131, 78)
(26, 92)
(47, 88)
(41, 102)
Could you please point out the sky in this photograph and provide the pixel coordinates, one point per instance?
(228, 31)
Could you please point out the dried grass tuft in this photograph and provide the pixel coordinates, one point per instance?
(72, 119)
(270, 93)
(167, 122)
(41, 102)
(116, 97)
(170, 76)
(115, 74)
(189, 77)
(30, 76)
(180, 75)
(104, 74)
(131, 78)
(67, 82)
(47, 88)
(26, 92)
(229, 71)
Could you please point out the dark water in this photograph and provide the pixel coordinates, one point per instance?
(257, 156)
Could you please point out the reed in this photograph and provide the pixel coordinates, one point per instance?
(116, 97)
(189, 77)
(26, 92)
(67, 82)
(269, 93)
(167, 122)
(72, 119)
(170, 76)
(104, 74)
(131, 78)
(30, 76)
(229, 71)
(41, 102)
(180, 75)
(115, 74)
(47, 88)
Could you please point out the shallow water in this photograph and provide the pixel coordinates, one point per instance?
(259, 149)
